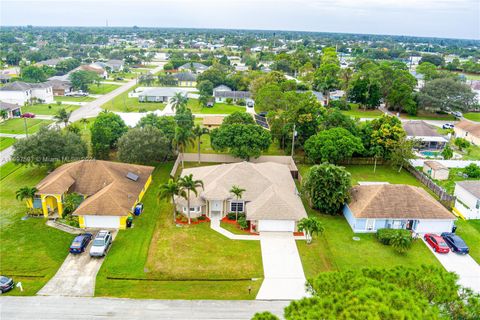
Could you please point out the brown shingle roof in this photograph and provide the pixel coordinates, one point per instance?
(420, 129)
(435, 165)
(469, 126)
(472, 186)
(213, 120)
(395, 201)
(108, 190)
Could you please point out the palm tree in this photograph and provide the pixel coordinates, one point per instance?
(169, 190)
(188, 184)
(84, 121)
(4, 114)
(198, 132)
(178, 101)
(310, 226)
(182, 139)
(63, 116)
(237, 192)
(27, 194)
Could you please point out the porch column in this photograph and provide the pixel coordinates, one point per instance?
(44, 205)
(59, 205)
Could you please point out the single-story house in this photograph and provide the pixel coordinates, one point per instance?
(186, 79)
(160, 94)
(221, 88)
(60, 87)
(22, 93)
(13, 110)
(427, 134)
(110, 190)
(50, 62)
(468, 130)
(467, 201)
(212, 122)
(115, 65)
(270, 200)
(435, 170)
(102, 73)
(396, 206)
(223, 95)
(194, 67)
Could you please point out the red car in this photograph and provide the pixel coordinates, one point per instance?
(28, 115)
(437, 243)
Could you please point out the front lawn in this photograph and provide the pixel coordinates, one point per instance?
(17, 125)
(122, 103)
(30, 251)
(6, 142)
(218, 108)
(75, 99)
(103, 88)
(470, 232)
(474, 116)
(472, 153)
(159, 260)
(48, 109)
(358, 112)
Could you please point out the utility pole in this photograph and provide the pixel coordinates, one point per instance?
(26, 127)
(293, 139)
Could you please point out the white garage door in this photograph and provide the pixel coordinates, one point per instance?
(276, 225)
(107, 222)
(434, 226)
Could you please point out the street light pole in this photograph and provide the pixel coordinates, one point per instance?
(293, 139)
(26, 127)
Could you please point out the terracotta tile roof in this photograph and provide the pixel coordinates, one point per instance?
(395, 201)
(108, 190)
(469, 126)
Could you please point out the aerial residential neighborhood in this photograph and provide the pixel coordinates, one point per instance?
(225, 165)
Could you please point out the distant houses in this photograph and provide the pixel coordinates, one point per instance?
(113, 65)
(428, 136)
(13, 110)
(102, 73)
(222, 93)
(194, 67)
(60, 87)
(22, 93)
(160, 94)
(186, 79)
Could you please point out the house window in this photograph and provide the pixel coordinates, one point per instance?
(236, 206)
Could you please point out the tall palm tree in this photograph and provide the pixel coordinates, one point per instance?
(178, 101)
(182, 139)
(27, 194)
(169, 190)
(237, 192)
(63, 116)
(188, 184)
(310, 226)
(198, 132)
(4, 114)
(84, 121)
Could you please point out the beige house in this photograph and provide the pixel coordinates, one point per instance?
(435, 170)
(468, 130)
(270, 201)
(212, 122)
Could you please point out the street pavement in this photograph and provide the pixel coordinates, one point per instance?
(64, 308)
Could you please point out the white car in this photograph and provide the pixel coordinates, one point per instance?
(101, 243)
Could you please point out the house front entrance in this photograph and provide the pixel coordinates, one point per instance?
(216, 209)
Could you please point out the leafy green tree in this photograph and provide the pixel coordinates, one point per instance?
(269, 97)
(163, 123)
(216, 74)
(107, 128)
(311, 226)
(205, 87)
(188, 185)
(143, 145)
(3, 114)
(434, 59)
(429, 70)
(461, 143)
(67, 65)
(327, 76)
(198, 132)
(48, 146)
(332, 145)
(183, 138)
(27, 194)
(33, 74)
(62, 116)
(238, 117)
(401, 242)
(241, 140)
(472, 170)
(13, 58)
(447, 152)
(169, 190)
(82, 79)
(333, 118)
(326, 187)
(71, 201)
(380, 136)
(444, 94)
(366, 91)
(237, 193)
(402, 152)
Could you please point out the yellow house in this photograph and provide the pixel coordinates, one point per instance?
(110, 190)
(186, 79)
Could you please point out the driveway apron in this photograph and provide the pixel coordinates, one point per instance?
(282, 267)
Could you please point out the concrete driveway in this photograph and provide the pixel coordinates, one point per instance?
(467, 269)
(76, 277)
(282, 267)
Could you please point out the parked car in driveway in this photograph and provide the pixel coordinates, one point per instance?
(80, 243)
(457, 114)
(28, 115)
(6, 284)
(101, 243)
(448, 126)
(455, 243)
(437, 243)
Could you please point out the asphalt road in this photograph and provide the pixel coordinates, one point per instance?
(111, 308)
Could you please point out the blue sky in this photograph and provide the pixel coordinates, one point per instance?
(438, 18)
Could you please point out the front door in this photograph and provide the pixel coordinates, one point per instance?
(216, 208)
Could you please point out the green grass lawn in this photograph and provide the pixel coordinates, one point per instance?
(157, 259)
(474, 116)
(6, 142)
(122, 103)
(103, 88)
(472, 153)
(218, 108)
(470, 232)
(30, 251)
(75, 99)
(233, 228)
(17, 125)
(357, 112)
(48, 109)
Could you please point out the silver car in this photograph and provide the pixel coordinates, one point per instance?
(101, 243)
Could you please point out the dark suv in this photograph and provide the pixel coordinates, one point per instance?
(6, 284)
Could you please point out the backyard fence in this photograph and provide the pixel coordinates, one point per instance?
(442, 194)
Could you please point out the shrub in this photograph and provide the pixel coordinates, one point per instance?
(461, 143)
(472, 170)
(242, 222)
(229, 100)
(241, 102)
(339, 104)
(202, 218)
(385, 236)
(402, 241)
(231, 215)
